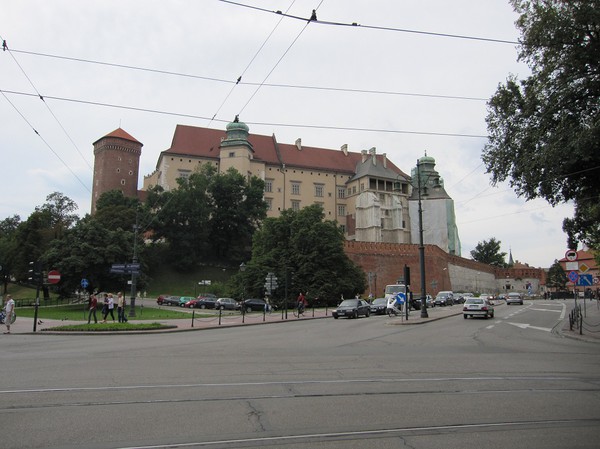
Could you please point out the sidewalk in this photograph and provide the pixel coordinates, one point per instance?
(590, 328)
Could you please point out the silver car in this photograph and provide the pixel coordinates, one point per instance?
(478, 307)
(514, 298)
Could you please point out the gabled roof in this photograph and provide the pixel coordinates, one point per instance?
(205, 143)
(121, 134)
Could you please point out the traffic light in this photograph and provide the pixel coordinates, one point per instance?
(406, 275)
(35, 272)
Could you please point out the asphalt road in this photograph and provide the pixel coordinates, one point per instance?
(452, 383)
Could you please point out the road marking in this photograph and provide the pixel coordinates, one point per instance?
(529, 326)
(547, 310)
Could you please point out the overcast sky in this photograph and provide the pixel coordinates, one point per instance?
(398, 82)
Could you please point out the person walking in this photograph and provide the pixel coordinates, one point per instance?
(9, 309)
(120, 307)
(92, 309)
(109, 303)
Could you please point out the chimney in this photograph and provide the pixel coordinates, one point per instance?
(299, 144)
(373, 154)
(344, 149)
(384, 159)
(364, 155)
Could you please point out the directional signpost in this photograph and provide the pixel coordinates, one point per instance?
(585, 280)
(125, 268)
(270, 283)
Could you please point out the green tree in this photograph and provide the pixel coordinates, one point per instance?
(556, 277)
(309, 251)
(489, 252)
(237, 208)
(8, 248)
(544, 131)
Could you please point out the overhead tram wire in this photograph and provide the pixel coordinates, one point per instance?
(40, 96)
(286, 125)
(374, 27)
(248, 66)
(45, 142)
(308, 21)
(220, 80)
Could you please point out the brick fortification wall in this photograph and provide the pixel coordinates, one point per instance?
(443, 271)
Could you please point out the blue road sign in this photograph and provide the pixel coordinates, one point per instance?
(585, 280)
(400, 298)
(573, 276)
(84, 283)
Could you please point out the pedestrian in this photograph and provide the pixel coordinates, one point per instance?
(9, 310)
(120, 307)
(109, 303)
(92, 308)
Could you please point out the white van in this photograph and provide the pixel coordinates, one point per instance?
(392, 290)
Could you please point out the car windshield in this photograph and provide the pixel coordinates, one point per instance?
(380, 301)
(474, 301)
(349, 303)
(394, 289)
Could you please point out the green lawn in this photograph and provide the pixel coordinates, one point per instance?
(79, 312)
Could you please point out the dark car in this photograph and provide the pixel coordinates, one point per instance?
(378, 306)
(168, 300)
(227, 304)
(254, 304)
(352, 308)
(205, 301)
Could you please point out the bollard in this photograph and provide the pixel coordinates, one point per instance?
(193, 313)
(220, 312)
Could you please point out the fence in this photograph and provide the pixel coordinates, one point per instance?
(578, 322)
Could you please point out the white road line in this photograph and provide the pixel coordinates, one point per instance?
(529, 326)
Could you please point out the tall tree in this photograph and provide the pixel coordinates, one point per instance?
(556, 277)
(489, 252)
(309, 251)
(544, 131)
(8, 248)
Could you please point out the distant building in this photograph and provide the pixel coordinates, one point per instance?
(364, 192)
(116, 165)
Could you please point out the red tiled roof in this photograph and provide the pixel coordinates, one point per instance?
(205, 142)
(121, 134)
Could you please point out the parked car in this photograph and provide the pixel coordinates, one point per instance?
(206, 301)
(352, 308)
(478, 307)
(378, 306)
(254, 304)
(445, 298)
(429, 301)
(514, 298)
(227, 304)
(168, 300)
(184, 300)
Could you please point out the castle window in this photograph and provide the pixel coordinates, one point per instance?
(295, 188)
(319, 190)
(295, 205)
(341, 210)
(232, 154)
(269, 202)
(341, 193)
(268, 185)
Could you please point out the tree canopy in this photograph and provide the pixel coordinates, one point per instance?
(544, 131)
(556, 278)
(489, 252)
(309, 251)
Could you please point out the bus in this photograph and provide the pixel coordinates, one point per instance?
(392, 290)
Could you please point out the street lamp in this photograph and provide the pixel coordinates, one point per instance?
(242, 269)
(422, 192)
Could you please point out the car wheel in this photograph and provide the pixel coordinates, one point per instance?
(465, 317)
(335, 317)
(202, 306)
(191, 306)
(248, 309)
(368, 313)
(355, 314)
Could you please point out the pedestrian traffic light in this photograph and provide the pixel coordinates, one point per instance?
(406, 275)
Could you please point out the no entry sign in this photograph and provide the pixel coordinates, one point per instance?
(53, 277)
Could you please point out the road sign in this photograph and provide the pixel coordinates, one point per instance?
(571, 255)
(270, 283)
(400, 298)
(585, 280)
(583, 268)
(572, 266)
(596, 280)
(84, 283)
(125, 268)
(53, 277)
(573, 276)
(205, 282)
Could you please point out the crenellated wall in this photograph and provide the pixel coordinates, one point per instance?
(385, 262)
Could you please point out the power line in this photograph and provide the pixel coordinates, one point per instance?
(374, 27)
(249, 64)
(286, 125)
(241, 82)
(45, 142)
(6, 48)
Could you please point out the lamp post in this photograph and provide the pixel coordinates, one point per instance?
(242, 269)
(422, 192)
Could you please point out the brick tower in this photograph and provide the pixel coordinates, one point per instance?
(116, 165)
